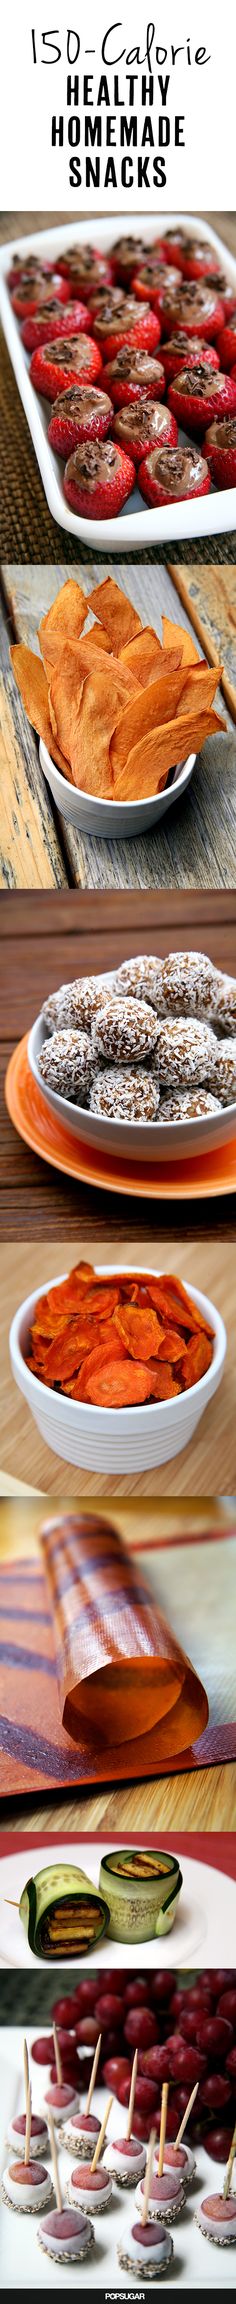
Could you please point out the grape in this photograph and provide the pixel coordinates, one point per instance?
(114, 2070)
(140, 2027)
(109, 2010)
(217, 2143)
(215, 2091)
(226, 2005)
(215, 2036)
(146, 2095)
(136, 1993)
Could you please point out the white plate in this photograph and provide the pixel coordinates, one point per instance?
(113, 819)
(205, 1920)
(136, 1140)
(137, 525)
(196, 2263)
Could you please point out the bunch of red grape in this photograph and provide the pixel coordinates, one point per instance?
(184, 2032)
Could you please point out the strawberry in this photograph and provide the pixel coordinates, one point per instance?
(227, 342)
(125, 253)
(220, 447)
(199, 260)
(173, 246)
(54, 320)
(28, 265)
(170, 474)
(98, 480)
(129, 324)
(143, 427)
(80, 414)
(152, 280)
(33, 289)
(75, 360)
(84, 268)
(196, 396)
(197, 308)
(131, 375)
(183, 351)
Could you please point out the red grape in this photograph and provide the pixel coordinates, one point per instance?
(217, 2143)
(226, 2005)
(162, 1986)
(109, 2010)
(136, 1993)
(215, 2091)
(140, 2027)
(88, 2030)
(43, 2049)
(215, 2036)
(114, 2070)
(231, 2063)
(187, 2063)
(146, 2095)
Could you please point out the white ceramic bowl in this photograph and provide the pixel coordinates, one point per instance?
(114, 1439)
(168, 1140)
(112, 819)
(139, 524)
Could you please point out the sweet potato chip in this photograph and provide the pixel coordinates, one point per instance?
(148, 764)
(90, 736)
(124, 1384)
(200, 687)
(175, 636)
(163, 1384)
(172, 1299)
(171, 1347)
(31, 681)
(143, 655)
(196, 1360)
(140, 1330)
(66, 690)
(116, 612)
(64, 620)
(148, 711)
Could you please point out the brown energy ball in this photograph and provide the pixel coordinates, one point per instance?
(225, 1002)
(74, 1004)
(142, 979)
(120, 1095)
(188, 983)
(185, 1052)
(124, 1032)
(181, 1105)
(224, 1070)
(65, 1063)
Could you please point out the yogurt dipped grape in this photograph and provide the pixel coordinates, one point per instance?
(125, 2156)
(216, 2215)
(65, 2234)
(147, 2248)
(92, 2185)
(61, 2099)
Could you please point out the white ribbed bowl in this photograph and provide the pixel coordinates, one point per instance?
(114, 1439)
(112, 819)
(136, 1140)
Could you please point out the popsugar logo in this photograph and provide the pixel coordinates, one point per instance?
(127, 2295)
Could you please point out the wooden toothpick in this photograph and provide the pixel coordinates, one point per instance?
(227, 2181)
(132, 2094)
(28, 2128)
(183, 2123)
(93, 2075)
(58, 2192)
(26, 2071)
(100, 2141)
(164, 2102)
(148, 2177)
(58, 2061)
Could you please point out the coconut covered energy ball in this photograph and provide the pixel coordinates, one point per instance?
(74, 1004)
(185, 1051)
(124, 1032)
(188, 982)
(184, 1105)
(225, 1002)
(65, 1063)
(142, 979)
(224, 1070)
(117, 1094)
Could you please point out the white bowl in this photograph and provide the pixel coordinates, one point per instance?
(112, 819)
(114, 1439)
(139, 524)
(136, 1140)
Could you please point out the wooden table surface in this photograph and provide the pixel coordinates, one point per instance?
(202, 1801)
(208, 1464)
(43, 941)
(194, 845)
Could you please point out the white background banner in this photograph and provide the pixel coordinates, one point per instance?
(106, 108)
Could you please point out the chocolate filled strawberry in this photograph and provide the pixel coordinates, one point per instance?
(132, 374)
(131, 323)
(227, 342)
(173, 246)
(220, 449)
(98, 298)
(85, 269)
(98, 480)
(147, 426)
(35, 288)
(74, 360)
(182, 351)
(125, 254)
(197, 308)
(54, 319)
(196, 397)
(29, 265)
(168, 475)
(80, 414)
(199, 260)
(226, 291)
(155, 281)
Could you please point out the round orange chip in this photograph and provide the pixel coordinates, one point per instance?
(123, 1384)
(140, 1329)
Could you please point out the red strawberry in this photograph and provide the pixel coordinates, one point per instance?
(196, 397)
(227, 342)
(28, 265)
(197, 308)
(131, 375)
(183, 351)
(145, 426)
(33, 289)
(130, 324)
(199, 260)
(124, 255)
(220, 447)
(170, 474)
(98, 480)
(173, 246)
(80, 414)
(226, 291)
(152, 281)
(75, 360)
(85, 269)
(55, 319)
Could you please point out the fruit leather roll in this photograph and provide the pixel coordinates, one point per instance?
(64, 1916)
(121, 1674)
(143, 1888)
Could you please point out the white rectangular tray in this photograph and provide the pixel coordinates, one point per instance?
(196, 2263)
(137, 525)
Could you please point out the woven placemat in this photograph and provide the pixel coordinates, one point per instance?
(27, 531)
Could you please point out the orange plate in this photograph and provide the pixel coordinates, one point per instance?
(212, 1173)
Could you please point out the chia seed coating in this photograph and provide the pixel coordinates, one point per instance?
(123, 1095)
(124, 1031)
(65, 1062)
(185, 1051)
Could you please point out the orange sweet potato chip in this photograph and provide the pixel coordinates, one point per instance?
(116, 612)
(175, 636)
(119, 1339)
(140, 1330)
(171, 1347)
(123, 1384)
(64, 620)
(146, 769)
(200, 688)
(148, 711)
(31, 681)
(143, 655)
(197, 1359)
(173, 1301)
(163, 1384)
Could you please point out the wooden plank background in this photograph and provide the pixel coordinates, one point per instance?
(194, 846)
(208, 1462)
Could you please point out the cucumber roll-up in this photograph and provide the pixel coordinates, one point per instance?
(143, 1888)
(63, 1914)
